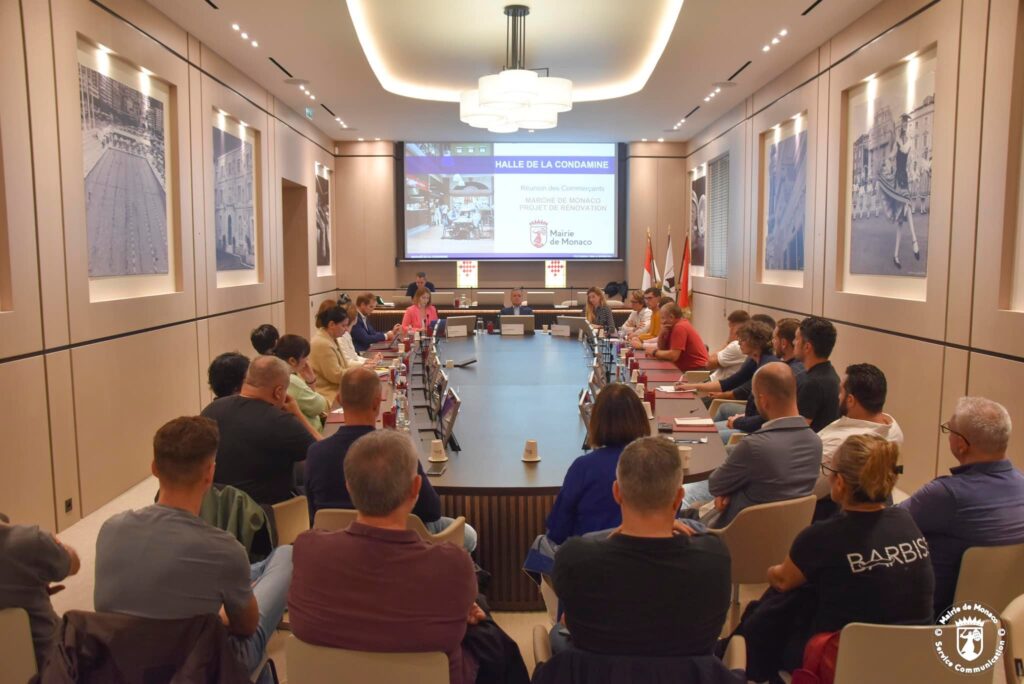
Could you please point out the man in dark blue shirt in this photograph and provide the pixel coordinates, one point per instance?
(363, 333)
(325, 460)
(421, 281)
(980, 504)
(517, 308)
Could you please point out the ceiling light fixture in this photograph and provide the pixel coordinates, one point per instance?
(766, 48)
(718, 90)
(661, 140)
(377, 139)
(245, 36)
(235, 27)
(643, 139)
(360, 139)
(783, 33)
(255, 44)
(707, 99)
(516, 97)
(775, 41)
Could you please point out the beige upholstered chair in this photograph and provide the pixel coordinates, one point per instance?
(696, 376)
(718, 403)
(291, 518)
(887, 653)
(340, 518)
(541, 644)
(1013, 656)
(761, 535)
(17, 657)
(992, 575)
(308, 664)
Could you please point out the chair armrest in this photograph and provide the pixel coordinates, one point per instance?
(697, 376)
(736, 653)
(542, 645)
(454, 533)
(735, 438)
(717, 404)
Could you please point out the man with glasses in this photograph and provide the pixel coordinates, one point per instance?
(981, 503)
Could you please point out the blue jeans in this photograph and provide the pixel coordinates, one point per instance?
(270, 581)
(696, 494)
(439, 525)
(726, 410)
(726, 432)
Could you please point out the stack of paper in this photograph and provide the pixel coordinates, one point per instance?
(694, 425)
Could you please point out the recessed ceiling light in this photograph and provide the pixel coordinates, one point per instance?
(661, 140)
(718, 90)
(712, 94)
(775, 41)
(312, 97)
(302, 87)
(255, 44)
(343, 125)
(245, 36)
(766, 48)
(338, 119)
(235, 27)
(682, 121)
(783, 33)
(707, 99)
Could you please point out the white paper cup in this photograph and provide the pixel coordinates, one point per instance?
(685, 452)
(545, 327)
(640, 390)
(437, 453)
(648, 409)
(634, 376)
(530, 451)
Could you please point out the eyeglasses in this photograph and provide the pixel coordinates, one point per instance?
(826, 471)
(947, 430)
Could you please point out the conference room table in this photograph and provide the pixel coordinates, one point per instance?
(384, 318)
(524, 387)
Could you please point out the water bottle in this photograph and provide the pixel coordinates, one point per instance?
(401, 412)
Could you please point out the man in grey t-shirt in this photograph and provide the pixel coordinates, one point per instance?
(164, 562)
(30, 560)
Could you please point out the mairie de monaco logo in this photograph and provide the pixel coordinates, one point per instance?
(538, 233)
(976, 641)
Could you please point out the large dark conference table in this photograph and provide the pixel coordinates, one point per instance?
(520, 388)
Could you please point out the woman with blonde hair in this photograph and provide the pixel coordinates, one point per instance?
(639, 321)
(597, 311)
(419, 316)
(325, 356)
(868, 564)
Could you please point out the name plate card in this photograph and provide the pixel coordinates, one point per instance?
(456, 331)
(561, 330)
(512, 329)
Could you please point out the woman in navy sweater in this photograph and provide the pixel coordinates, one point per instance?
(585, 502)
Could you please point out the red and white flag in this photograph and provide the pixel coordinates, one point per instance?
(683, 298)
(648, 279)
(668, 285)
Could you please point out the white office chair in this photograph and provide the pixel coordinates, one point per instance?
(17, 656)
(308, 664)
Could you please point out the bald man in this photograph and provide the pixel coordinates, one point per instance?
(780, 461)
(262, 433)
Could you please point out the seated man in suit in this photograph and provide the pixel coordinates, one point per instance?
(517, 308)
(163, 562)
(376, 586)
(30, 561)
(981, 502)
(778, 462)
(421, 281)
(262, 433)
(325, 460)
(654, 587)
(362, 331)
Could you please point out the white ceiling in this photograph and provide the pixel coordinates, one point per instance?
(446, 43)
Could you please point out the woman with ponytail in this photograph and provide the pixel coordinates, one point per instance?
(325, 358)
(868, 564)
(294, 350)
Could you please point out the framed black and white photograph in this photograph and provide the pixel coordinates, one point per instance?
(234, 188)
(124, 144)
(698, 219)
(323, 217)
(890, 119)
(785, 195)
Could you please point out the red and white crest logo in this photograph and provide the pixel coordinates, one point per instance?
(538, 233)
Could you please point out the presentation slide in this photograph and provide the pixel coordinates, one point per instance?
(510, 201)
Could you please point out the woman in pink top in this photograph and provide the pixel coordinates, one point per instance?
(421, 314)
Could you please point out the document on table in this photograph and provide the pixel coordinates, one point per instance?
(695, 422)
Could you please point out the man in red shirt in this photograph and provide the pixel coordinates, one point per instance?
(376, 586)
(679, 341)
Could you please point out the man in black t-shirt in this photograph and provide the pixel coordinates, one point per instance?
(654, 587)
(421, 281)
(262, 433)
(818, 395)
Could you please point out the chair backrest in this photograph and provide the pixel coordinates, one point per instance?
(760, 536)
(333, 518)
(1013, 655)
(308, 664)
(291, 518)
(889, 653)
(992, 575)
(697, 376)
(16, 650)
